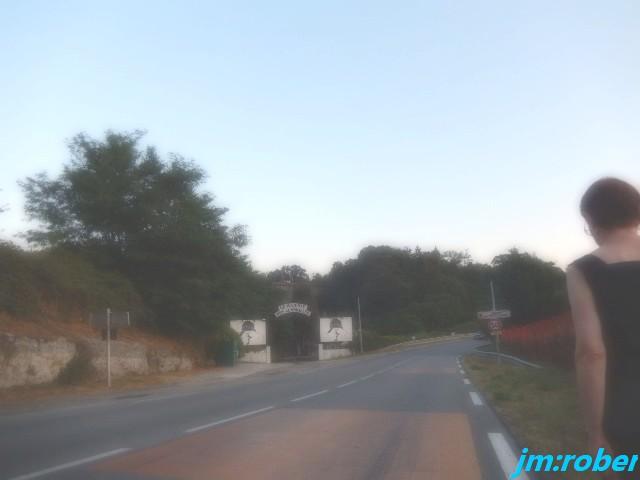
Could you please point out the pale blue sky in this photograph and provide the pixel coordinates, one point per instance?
(328, 126)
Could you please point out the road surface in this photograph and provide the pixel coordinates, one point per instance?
(393, 416)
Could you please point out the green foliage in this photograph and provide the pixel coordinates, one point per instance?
(79, 369)
(128, 210)
(218, 344)
(531, 287)
(18, 294)
(57, 281)
(373, 341)
(288, 273)
(410, 292)
(401, 291)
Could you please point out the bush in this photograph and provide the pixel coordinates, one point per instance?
(79, 369)
(216, 343)
(61, 282)
(18, 295)
(374, 341)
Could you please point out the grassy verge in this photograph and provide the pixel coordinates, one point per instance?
(539, 406)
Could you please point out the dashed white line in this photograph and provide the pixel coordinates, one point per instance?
(304, 397)
(466, 381)
(229, 419)
(505, 455)
(67, 465)
(475, 398)
(462, 371)
(347, 384)
(367, 377)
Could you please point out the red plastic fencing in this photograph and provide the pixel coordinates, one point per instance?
(550, 340)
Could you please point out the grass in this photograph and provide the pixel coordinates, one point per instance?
(540, 407)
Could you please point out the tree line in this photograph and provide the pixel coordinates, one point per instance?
(123, 209)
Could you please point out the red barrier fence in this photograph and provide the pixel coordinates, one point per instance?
(550, 340)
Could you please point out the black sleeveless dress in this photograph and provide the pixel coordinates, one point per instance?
(616, 291)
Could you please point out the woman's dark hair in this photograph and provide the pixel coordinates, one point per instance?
(611, 203)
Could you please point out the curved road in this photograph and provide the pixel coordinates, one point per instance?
(396, 416)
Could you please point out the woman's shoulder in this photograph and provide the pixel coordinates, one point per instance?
(586, 259)
(586, 263)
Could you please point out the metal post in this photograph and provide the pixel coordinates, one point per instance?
(493, 297)
(360, 326)
(493, 307)
(109, 347)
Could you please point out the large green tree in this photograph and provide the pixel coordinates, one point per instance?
(147, 217)
(531, 287)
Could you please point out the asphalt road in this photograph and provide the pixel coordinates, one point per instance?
(395, 416)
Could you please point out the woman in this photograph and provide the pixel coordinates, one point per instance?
(604, 291)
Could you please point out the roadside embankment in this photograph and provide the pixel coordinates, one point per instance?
(38, 353)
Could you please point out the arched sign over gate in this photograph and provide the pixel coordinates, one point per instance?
(301, 308)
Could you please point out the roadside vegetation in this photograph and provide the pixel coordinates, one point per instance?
(540, 406)
(125, 228)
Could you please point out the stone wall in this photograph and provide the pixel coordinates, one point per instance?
(331, 353)
(30, 361)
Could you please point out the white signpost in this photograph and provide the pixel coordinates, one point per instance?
(109, 320)
(494, 319)
(494, 314)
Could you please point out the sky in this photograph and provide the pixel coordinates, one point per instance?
(329, 126)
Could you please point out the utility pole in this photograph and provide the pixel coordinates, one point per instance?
(360, 326)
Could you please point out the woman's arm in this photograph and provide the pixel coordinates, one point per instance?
(591, 358)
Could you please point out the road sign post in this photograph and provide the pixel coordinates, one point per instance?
(109, 320)
(360, 326)
(109, 347)
(494, 324)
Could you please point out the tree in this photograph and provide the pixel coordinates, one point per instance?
(288, 273)
(532, 288)
(147, 218)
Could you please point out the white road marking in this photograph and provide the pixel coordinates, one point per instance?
(505, 455)
(299, 399)
(75, 463)
(229, 419)
(475, 398)
(347, 384)
(466, 381)
(367, 377)
(462, 371)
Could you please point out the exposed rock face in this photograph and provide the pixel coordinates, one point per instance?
(165, 361)
(30, 361)
(126, 357)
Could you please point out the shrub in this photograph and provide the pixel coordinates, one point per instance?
(216, 343)
(56, 280)
(79, 369)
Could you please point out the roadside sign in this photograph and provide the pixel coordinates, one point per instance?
(118, 319)
(495, 326)
(494, 314)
